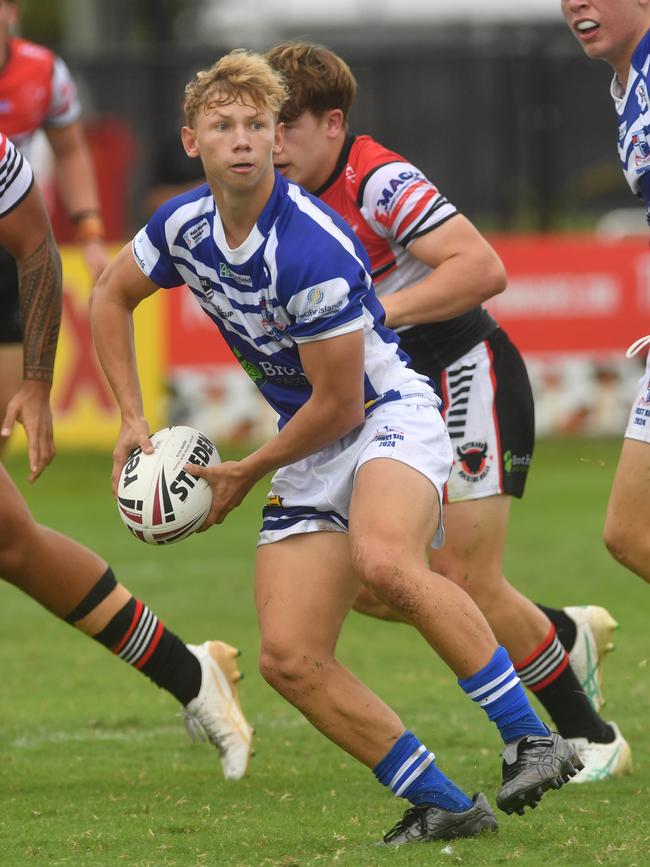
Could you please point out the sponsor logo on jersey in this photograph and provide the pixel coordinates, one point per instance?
(516, 463)
(249, 368)
(473, 459)
(206, 285)
(622, 130)
(642, 96)
(315, 297)
(350, 174)
(137, 242)
(274, 500)
(395, 184)
(282, 374)
(263, 372)
(243, 279)
(196, 234)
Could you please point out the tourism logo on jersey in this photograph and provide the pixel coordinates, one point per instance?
(243, 279)
(642, 96)
(196, 234)
(315, 297)
(474, 461)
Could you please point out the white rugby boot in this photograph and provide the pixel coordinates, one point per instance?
(602, 761)
(594, 628)
(215, 714)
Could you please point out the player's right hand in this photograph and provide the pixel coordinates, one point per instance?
(30, 406)
(133, 433)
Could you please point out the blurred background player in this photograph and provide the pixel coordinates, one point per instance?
(65, 577)
(432, 270)
(617, 31)
(37, 92)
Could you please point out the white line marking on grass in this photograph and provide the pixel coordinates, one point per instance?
(134, 734)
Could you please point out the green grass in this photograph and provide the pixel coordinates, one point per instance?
(96, 770)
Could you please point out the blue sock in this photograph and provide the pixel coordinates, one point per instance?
(410, 772)
(497, 689)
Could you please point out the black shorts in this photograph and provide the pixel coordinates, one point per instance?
(10, 325)
(490, 415)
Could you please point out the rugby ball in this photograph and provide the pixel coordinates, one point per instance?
(157, 499)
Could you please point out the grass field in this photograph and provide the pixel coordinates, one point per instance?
(96, 769)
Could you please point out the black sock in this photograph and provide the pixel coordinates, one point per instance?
(564, 626)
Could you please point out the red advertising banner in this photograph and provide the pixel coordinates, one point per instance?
(573, 293)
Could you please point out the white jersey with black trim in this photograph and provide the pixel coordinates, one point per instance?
(16, 177)
(300, 276)
(633, 110)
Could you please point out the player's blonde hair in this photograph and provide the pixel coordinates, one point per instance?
(240, 76)
(318, 80)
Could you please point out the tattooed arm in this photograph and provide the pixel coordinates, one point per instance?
(26, 233)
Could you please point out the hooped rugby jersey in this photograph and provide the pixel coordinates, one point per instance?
(389, 203)
(300, 276)
(631, 103)
(36, 91)
(16, 178)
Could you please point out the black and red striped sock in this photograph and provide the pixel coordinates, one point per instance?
(547, 673)
(138, 637)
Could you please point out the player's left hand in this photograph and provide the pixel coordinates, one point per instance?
(96, 257)
(230, 482)
(30, 406)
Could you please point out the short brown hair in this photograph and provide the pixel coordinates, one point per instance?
(318, 80)
(240, 76)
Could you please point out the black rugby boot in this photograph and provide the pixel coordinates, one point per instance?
(426, 823)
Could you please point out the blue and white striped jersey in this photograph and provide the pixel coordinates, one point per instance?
(300, 276)
(634, 121)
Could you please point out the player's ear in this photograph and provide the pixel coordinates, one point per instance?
(278, 144)
(335, 122)
(188, 137)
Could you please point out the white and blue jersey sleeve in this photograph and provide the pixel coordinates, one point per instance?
(633, 110)
(300, 276)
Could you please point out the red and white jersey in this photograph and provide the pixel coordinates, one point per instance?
(388, 202)
(36, 91)
(16, 176)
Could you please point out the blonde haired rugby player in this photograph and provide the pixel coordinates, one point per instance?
(360, 458)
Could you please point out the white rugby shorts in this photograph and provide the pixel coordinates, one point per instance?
(314, 494)
(638, 426)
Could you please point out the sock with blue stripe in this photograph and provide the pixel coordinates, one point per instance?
(409, 770)
(497, 689)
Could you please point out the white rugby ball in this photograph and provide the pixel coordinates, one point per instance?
(157, 499)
